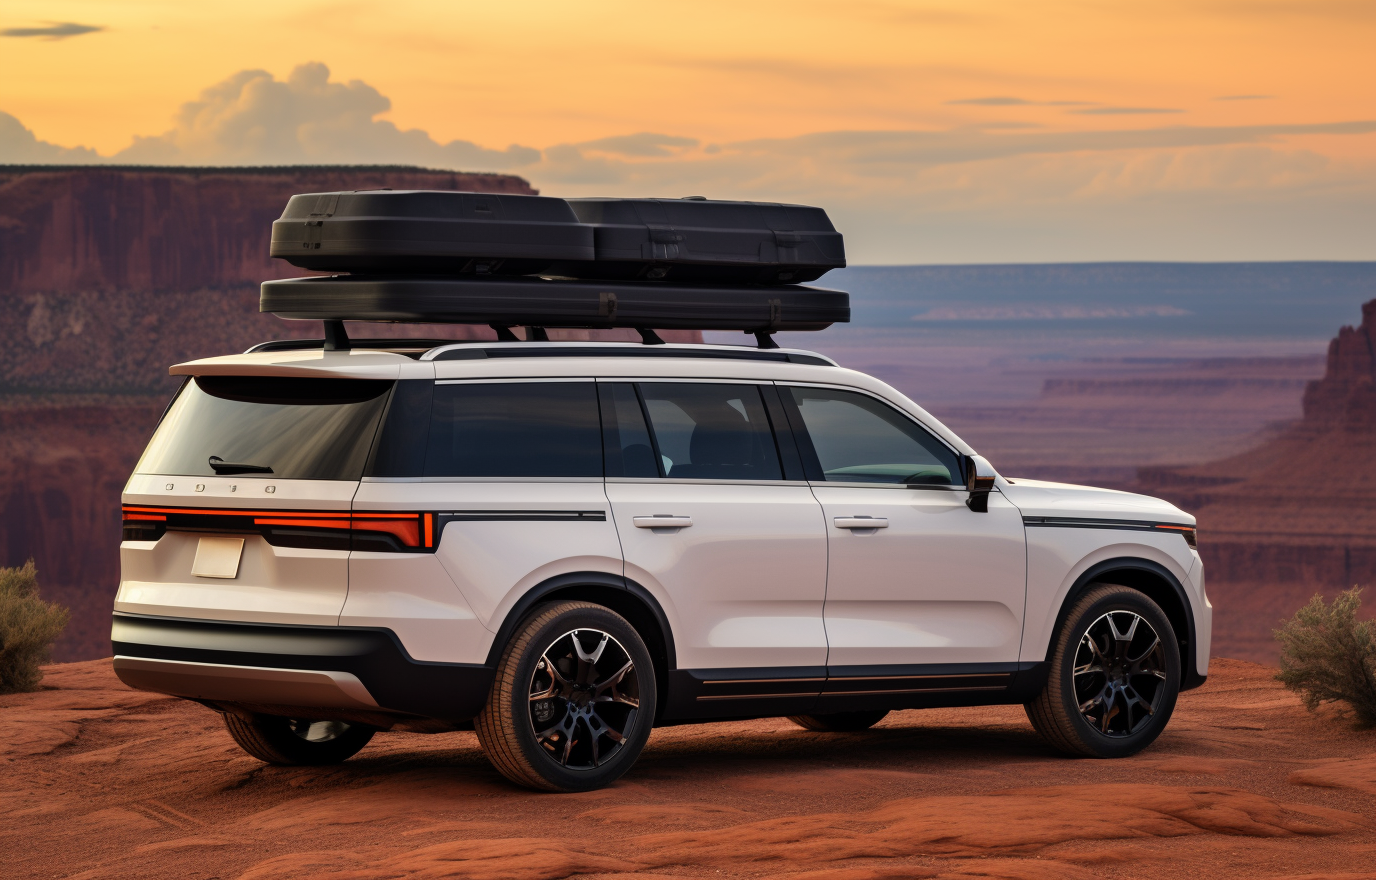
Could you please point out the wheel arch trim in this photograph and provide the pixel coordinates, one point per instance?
(587, 583)
(1139, 570)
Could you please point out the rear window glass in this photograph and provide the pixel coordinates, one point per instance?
(272, 426)
(515, 429)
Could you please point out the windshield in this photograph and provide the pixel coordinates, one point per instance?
(269, 427)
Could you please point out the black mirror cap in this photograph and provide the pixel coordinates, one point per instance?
(979, 481)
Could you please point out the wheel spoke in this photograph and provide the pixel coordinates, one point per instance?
(554, 671)
(596, 652)
(1150, 648)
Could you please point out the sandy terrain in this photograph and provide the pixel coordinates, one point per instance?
(100, 781)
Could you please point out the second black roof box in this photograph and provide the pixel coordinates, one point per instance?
(554, 303)
(717, 242)
(429, 231)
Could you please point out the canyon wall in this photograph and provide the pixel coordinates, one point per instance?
(107, 277)
(1296, 515)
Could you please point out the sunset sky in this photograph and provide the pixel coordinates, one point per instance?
(985, 130)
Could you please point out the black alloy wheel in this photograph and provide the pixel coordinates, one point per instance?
(573, 700)
(1114, 677)
(584, 695)
(1120, 673)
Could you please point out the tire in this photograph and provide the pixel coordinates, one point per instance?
(573, 701)
(296, 741)
(1128, 677)
(839, 722)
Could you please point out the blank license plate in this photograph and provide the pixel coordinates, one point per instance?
(218, 557)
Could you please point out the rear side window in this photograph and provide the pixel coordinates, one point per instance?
(858, 439)
(298, 429)
(514, 429)
(715, 431)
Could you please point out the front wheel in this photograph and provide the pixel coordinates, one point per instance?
(573, 700)
(1115, 675)
(296, 740)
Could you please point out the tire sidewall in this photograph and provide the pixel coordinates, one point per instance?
(615, 625)
(1123, 599)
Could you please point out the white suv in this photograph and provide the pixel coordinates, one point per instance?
(564, 544)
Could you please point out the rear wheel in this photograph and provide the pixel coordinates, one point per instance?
(297, 741)
(573, 701)
(838, 722)
(1115, 675)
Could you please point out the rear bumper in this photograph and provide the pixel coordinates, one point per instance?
(347, 668)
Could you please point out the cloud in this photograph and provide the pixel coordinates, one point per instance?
(643, 145)
(1333, 10)
(19, 146)
(1244, 97)
(1048, 313)
(1006, 101)
(1124, 111)
(252, 118)
(54, 30)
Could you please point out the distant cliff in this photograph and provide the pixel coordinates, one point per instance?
(170, 229)
(1296, 515)
(108, 275)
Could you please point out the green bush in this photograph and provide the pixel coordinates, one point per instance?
(1327, 655)
(28, 626)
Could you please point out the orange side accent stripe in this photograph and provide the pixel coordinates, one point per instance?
(145, 516)
(1177, 528)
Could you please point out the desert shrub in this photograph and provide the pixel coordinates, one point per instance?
(28, 626)
(1327, 655)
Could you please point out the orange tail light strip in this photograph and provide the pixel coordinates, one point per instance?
(414, 531)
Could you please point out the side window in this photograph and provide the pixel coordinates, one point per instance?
(514, 429)
(626, 440)
(713, 431)
(858, 439)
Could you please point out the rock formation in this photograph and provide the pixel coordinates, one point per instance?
(1296, 515)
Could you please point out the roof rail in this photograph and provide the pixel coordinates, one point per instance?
(480, 350)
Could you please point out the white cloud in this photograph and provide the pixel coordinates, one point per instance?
(19, 146)
(254, 119)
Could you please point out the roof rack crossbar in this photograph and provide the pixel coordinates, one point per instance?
(648, 336)
(504, 333)
(764, 339)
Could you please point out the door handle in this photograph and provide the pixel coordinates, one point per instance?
(861, 522)
(662, 521)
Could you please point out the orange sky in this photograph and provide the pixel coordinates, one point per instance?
(542, 74)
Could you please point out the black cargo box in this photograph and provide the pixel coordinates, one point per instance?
(554, 303)
(707, 241)
(429, 231)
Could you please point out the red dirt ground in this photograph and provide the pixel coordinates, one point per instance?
(99, 781)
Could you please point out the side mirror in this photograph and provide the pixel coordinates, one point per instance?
(979, 481)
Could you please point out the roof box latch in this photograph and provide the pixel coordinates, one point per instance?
(666, 243)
